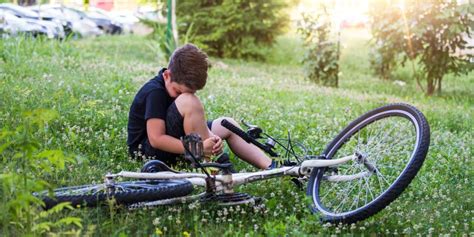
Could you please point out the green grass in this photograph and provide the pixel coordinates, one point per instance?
(91, 84)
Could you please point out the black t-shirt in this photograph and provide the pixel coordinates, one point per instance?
(151, 101)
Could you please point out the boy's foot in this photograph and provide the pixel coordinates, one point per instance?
(273, 165)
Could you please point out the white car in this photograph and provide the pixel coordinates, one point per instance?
(34, 18)
(13, 25)
(126, 21)
(79, 25)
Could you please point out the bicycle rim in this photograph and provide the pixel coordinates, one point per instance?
(388, 140)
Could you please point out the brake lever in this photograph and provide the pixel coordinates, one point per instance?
(248, 125)
(253, 131)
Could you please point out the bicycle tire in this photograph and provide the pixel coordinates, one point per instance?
(324, 199)
(125, 193)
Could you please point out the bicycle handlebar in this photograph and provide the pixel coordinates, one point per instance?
(239, 132)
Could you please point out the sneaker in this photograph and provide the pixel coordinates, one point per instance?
(273, 165)
(277, 164)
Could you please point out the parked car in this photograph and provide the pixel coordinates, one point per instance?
(129, 21)
(107, 24)
(34, 18)
(12, 26)
(124, 20)
(43, 11)
(79, 26)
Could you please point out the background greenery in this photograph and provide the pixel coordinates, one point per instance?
(89, 84)
(233, 29)
(430, 33)
(321, 60)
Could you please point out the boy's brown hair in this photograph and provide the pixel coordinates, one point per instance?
(188, 66)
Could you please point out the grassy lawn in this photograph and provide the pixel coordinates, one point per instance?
(91, 83)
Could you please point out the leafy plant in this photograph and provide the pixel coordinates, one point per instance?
(439, 32)
(386, 33)
(235, 29)
(24, 165)
(160, 44)
(321, 60)
(432, 33)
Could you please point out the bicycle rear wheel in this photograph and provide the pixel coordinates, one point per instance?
(391, 144)
(124, 192)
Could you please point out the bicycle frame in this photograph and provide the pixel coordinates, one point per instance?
(225, 183)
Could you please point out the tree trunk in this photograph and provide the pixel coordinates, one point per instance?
(431, 86)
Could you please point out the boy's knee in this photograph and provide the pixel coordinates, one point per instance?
(188, 103)
(220, 130)
(229, 119)
(217, 123)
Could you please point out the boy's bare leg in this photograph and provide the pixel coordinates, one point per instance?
(246, 151)
(190, 107)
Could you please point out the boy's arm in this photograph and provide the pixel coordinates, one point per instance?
(156, 130)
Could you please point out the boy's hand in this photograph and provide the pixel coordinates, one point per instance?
(218, 146)
(212, 146)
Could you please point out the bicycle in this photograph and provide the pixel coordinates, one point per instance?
(361, 171)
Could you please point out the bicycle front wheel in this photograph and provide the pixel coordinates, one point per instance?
(390, 144)
(123, 192)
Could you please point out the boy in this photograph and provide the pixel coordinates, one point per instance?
(165, 109)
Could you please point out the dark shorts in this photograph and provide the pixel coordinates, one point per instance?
(174, 128)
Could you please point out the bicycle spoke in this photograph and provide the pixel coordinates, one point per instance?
(354, 165)
(386, 144)
(358, 194)
(345, 197)
(368, 188)
(384, 179)
(370, 141)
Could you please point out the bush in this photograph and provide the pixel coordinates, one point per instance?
(431, 32)
(234, 29)
(321, 60)
(386, 38)
(24, 165)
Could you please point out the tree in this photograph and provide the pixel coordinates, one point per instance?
(386, 35)
(321, 60)
(432, 32)
(229, 28)
(438, 33)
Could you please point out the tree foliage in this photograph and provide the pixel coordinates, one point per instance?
(321, 59)
(386, 39)
(230, 28)
(432, 33)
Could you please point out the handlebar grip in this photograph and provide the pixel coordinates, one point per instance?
(236, 130)
(239, 132)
